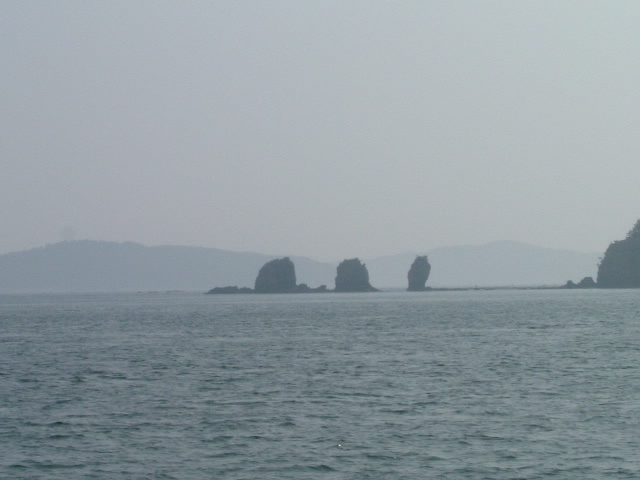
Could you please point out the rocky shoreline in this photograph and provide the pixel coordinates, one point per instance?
(279, 276)
(619, 268)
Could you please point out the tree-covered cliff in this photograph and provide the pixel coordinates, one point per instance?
(620, 266)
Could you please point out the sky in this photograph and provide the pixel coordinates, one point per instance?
(327, 129)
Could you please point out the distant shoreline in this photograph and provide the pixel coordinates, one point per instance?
(429, 289)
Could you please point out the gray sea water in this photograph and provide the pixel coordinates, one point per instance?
(440, 385)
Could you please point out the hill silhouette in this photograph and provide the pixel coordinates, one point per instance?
(97, 266)
(501, 263)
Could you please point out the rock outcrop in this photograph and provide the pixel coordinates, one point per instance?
(586, 282)
(230, 290)
(418, 274)
(304, 288)
(620, 266)
(276, 276)
(352, 276)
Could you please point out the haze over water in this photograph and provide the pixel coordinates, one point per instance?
(464, 385)
(325, 129)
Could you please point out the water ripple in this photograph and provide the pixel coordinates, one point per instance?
(446, 385)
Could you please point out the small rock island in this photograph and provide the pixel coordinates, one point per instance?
(275, 276)
(352, 276)
(418, 274)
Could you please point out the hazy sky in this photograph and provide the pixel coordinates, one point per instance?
(327, 129)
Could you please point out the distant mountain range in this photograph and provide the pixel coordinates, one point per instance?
(97, 266)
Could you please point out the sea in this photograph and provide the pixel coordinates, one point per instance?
(477, 384)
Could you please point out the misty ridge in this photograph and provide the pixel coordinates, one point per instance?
(101, 266)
